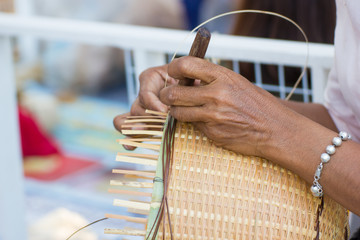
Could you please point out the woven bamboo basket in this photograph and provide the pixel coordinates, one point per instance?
(217, 194)
(214, 193)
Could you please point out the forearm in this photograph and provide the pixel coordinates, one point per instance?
(316, 112)
(301, 142)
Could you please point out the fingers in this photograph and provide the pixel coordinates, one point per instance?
(184, 95)
(150, 100)
(120, 120)
(190, 114)
(193, 68)
(151, 82)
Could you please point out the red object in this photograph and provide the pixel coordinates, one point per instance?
(66, 165)
(34, 141)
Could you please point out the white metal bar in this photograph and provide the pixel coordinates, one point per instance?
(235, 65)
(258, 75)
(130, 77)
(319, 77)
(290, 53)
(305, 87)
(27, 45)
(282, 89)
(275, 88)
(12, 205)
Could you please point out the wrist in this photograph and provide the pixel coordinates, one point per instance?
(297, 144)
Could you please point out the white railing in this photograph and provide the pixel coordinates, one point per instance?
(146, 46)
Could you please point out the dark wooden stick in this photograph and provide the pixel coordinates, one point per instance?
(198, 49)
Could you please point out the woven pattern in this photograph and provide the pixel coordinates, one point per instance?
(216, 194)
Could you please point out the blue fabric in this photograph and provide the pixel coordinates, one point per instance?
(192, 9)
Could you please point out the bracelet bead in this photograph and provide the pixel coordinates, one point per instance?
(330, 149)
(316, 188)
(325, 157)
(337, 141)
(343, 135)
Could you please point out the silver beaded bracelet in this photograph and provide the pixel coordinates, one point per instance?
(316, 188)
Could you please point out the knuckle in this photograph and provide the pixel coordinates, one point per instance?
(169, 95)
(143, 96)
(147, 74)
(217, 117)
(183, 64)
(133, 110)
(136, 109)
(172, 96)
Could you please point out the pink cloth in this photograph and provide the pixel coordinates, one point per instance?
(342, 94)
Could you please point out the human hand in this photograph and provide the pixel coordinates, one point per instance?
(229, 109)
(152, 81)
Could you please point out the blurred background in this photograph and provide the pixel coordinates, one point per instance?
(68, 92)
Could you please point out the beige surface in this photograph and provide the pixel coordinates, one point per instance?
(216, 194)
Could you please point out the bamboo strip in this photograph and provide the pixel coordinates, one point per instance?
(156, 113)
(134, 172)
(136, 144)
(138, 177)
(142, 161)
(132, 184)
(158, 191)
(146, 139)
(141, 126)
(145, 120)
(125, 232)
(127, 192)
(147, 116)
(131, 204)
(137, 211)
(127, 218)
(141, 155)
(141, 132)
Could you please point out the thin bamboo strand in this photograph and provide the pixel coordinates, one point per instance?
(158, 192)
(146, 139)
(133, 172)
(138, 177)
(131, 204)
(141, 132)
(140, 155)
(191, 156)
(142, 161)
(137, 211)
(146, 116)
(127, 218)
(148, 120)
(136, 144)
(125, 232)
(186, 161)
(131, 184)
(156, 113)
(142, 126)
(127, 192)
(204, 203)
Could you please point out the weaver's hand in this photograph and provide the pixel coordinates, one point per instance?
(229, 109)
(151, 82)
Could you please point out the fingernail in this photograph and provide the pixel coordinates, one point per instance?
(127, 147)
